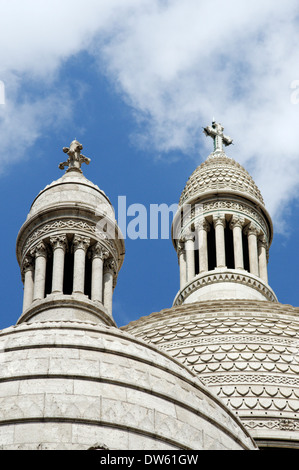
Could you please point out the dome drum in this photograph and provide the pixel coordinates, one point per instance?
(75, 307)
(224, 284)
(191, 215)
(223, 240)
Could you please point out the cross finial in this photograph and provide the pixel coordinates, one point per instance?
(75, 157)
(216, 132)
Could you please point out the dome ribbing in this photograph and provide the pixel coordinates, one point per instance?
(220, 173)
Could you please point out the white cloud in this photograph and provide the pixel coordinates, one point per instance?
(184, 63)
(177, 64)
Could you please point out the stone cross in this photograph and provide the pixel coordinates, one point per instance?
(216, 132)
(75, 157)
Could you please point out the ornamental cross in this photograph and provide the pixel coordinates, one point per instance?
(216, 132)
(75, 159)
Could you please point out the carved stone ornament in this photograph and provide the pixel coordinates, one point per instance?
(80, 242)
(252, 229)
(236, 221)
(189, 235)
(39, 250)
(28, 264)
(59, 241)
(68, 224)
(99, 251)
(244, 210)
(180, 247)
(202, 224)
(75, 159)
(219, 220)
(110, 266)
(216, 132)
(205, 280)
(262, 242)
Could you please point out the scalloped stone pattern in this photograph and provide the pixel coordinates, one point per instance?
(247, 352)
(220, 172)
(76, 385)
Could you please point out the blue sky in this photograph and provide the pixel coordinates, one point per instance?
(135, 82)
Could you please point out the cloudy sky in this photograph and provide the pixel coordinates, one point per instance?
(135, 81)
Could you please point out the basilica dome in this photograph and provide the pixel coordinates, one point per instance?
(246, 352)
(219, 173)
(70, 385)
(71, 189)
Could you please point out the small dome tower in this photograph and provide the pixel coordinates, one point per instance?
(70, 249)
(222, 231)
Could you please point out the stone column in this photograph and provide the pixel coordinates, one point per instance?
(202, 235)
(219, 224)
(40, 253)
(252, 232)
(80, 244)
(182, 263)
(262, 255)
(59, 244)
(28, 273)
(236, 225)
(98, 255)
(109, 271)
(190, 256)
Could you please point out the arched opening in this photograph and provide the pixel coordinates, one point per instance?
(211, 249)
(245, 252)
(87, 278)
(49, 272)
(68, 272)
(229, 248)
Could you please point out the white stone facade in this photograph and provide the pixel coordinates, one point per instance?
(74, 386)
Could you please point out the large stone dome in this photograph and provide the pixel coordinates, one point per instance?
(246, 352)
(219, 173)
(77, 385)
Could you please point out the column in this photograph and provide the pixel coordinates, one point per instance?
(219, 224)
(262, 255)
(40, 253)
(80, 244)
(236, 225)
(252, 232)
(28, 273)
(182, 263)
(202, 234)
(190, 259)
(59, 244)
(109, 272)
(98, 255)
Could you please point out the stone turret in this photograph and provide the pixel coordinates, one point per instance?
(70, 249)
(222, 231)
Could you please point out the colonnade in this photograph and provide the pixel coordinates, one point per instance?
(103, 269)
(195, 244)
